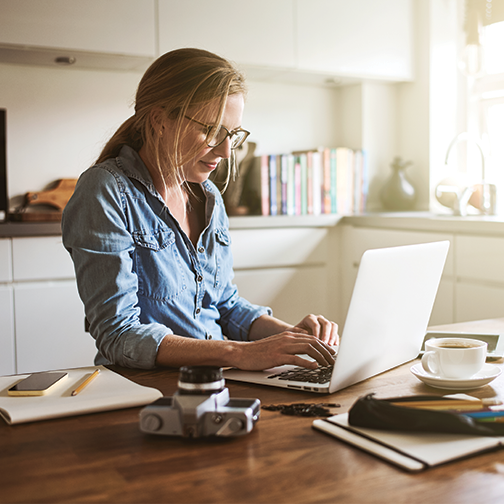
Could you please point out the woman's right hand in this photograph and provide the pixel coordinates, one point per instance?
(284, 348)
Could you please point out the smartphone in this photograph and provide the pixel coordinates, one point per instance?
(36, 384)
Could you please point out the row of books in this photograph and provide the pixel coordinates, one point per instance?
(325, 181)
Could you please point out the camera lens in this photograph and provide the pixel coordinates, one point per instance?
(200, 379)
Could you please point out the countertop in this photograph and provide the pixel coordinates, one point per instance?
(17, 229)
(416, 221)
(429, 222)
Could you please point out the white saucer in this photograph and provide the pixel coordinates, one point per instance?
(483, 377)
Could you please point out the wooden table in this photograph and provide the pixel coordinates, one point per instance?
(104, 457)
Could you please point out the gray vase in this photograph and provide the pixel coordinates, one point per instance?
(398, 193)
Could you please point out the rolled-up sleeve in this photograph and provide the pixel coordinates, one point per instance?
(238, 314)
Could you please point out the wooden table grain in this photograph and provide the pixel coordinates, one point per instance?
(104, 457)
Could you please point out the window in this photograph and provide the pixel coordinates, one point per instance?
(486, 109)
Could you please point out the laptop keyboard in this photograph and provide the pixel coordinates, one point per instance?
(320, 375)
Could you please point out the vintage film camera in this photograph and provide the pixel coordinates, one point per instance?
(201, 407)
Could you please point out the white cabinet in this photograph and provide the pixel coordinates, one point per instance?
(285, 39)
(283, 268)
(361, 38)
(41, 310)
(41, 258)
(477, 301)
(251, 33)
(7, 346)
(472, 286)
(5, 260)
(7, 364)
(49, 318)
(480, 259)
(111, 26)
(355, 241)
(479, 263)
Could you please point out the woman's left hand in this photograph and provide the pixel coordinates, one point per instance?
(319, 326)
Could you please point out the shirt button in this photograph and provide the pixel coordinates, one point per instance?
(209, 336)
(200, 278)
(201, 250)
(198, 310)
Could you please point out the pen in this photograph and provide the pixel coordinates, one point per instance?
(449, 404)
(86, 382)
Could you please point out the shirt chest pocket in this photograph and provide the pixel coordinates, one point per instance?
(159, 267)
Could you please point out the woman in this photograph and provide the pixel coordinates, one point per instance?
(149, 238)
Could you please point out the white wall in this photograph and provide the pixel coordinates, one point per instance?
(286, 117)
(59, 118)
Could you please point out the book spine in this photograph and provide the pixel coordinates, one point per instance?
(284, 171)
(334, 183)
(279, 185)
(326, 168)
(365, 181)
(317, 186)
(351, 181)
(304, 184)
(309, 183)
(344, 180)
(291, 185)
(273, 185)
(297, 187)
(265, 200)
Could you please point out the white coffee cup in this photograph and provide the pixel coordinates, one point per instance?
(455, 358)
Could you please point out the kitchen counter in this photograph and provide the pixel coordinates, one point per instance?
(426, 221)
(418, 221)
(16, 229)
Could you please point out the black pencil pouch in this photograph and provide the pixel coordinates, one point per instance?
(373, 413)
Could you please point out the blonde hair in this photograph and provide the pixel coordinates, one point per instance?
(176, 81)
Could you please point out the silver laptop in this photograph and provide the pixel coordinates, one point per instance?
(386, 322)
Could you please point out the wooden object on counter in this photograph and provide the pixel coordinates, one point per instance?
(57, 197)
(104, 457)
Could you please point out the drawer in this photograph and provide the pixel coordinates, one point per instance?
(5, 260)
(362, 239)
(38, 258)
(480, 258)
(478, 302)
(259, 248)
(7, 345)
(292, 293)
(49, 321)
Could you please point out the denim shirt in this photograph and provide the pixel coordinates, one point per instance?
(138, 274)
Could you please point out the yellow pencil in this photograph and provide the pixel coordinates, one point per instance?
(86, 382)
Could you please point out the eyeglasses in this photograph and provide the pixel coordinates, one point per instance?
(215, 135)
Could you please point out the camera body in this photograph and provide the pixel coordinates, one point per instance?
(201, 407)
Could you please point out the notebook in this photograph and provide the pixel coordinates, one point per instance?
(412, 451)
(109, 391)
(386, 321)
